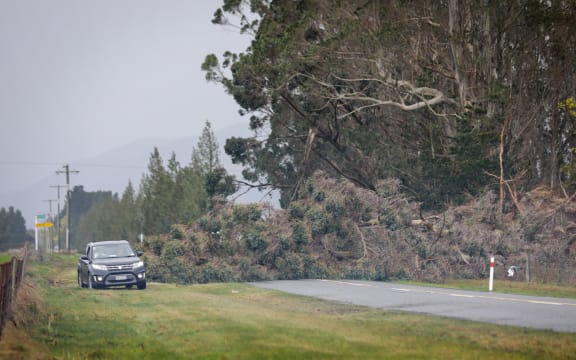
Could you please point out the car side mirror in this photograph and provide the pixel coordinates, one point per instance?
(84, 257)
(139, 253)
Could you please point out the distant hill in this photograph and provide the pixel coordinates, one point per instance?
(113, 169)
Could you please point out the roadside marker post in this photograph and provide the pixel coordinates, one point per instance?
(491, 283)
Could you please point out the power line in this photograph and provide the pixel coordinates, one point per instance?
(86, 165)
(26, 163)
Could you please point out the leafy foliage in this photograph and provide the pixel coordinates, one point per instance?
(12, 229)
(332, 89)
(375, 236)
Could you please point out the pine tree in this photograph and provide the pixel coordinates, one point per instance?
(131, 214)
(157, 200)
(206, 157)
(206, 161)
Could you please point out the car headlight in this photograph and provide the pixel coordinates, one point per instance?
(99, 267)
(138, 264)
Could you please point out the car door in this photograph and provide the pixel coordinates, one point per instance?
(84, 269)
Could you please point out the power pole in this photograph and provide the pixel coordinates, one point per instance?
(67, 171)
(58, 187)
(49, 230)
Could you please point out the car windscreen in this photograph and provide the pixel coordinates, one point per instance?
(112, 251)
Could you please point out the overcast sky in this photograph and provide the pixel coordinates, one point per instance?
(80, 77)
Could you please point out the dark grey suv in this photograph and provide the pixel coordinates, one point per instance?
(111, 263)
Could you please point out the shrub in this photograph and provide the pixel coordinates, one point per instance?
(178, 271)
(389, 220)
(297, 212)
(366, 214)
(155, 244)
(299, 235)
(247, 213)
(474, 250)
(255, 241)
(334, 208)
(173, 249)
(289, 267)
(257, 273)
(357, 273)
(176, 233)
(401, 274)
(216, 273)
(341, 231)
(155, 271)
(310, 185)
(314, 269)
(318, 221)
(319, 196)
(210, 225)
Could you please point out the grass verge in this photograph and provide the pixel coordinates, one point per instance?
(238, 321)
(5, 257)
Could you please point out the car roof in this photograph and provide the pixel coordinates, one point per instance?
(109, 242)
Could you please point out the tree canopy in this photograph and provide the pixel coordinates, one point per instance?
(448, 96)
(12, 229)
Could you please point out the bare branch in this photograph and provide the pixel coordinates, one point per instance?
(425, 97)
(363, 242)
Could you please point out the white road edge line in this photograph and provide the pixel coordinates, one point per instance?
(345, 283)
(462, 295)
(499, 298)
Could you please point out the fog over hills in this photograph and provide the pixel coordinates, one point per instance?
(112, 170)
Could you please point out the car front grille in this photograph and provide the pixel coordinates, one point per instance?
(119, 267)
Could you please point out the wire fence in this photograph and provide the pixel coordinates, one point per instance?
(11, 276)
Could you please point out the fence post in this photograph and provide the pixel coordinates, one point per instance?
(13, 284)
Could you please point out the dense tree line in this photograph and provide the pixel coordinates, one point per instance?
(12, 229)
(448, 96)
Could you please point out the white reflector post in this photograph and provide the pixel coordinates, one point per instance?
(491, 284)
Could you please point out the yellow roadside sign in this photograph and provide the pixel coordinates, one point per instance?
(45, 224)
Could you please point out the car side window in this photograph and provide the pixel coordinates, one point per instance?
(88, 251)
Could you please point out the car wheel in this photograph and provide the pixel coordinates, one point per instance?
(142, 285)
(90, 285)
(80, 283)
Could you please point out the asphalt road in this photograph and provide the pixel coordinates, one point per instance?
(504, 309)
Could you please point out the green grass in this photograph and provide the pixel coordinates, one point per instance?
(238, 321)
(4, 257)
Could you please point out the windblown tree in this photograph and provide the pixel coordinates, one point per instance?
(447, 96)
